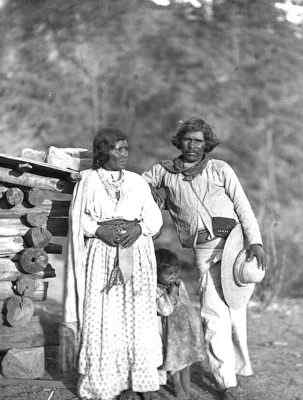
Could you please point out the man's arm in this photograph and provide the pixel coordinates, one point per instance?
(154, 177)
(151, 217)
(245, 214)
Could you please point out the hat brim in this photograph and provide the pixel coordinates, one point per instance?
(235, 296)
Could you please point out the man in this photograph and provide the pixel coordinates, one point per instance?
(199, 192)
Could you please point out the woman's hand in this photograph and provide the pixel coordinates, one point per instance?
(107, 234)
(130, 234)
(120, 232)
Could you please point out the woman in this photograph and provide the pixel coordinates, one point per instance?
(111, 275)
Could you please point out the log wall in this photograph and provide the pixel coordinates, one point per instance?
(34, 206)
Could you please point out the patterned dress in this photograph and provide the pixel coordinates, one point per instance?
(120, 346)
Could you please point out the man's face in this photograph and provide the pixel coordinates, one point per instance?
(192, 146)
(118, 156)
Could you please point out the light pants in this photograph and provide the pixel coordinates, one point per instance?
(225, 329)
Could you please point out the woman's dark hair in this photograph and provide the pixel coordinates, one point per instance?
(104, 141)
(166, 258)
(196, 125)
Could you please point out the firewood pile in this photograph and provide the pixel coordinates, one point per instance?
(35, 195)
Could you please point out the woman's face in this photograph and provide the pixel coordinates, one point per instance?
(118, 156)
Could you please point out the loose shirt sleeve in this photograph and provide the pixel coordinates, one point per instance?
(154, 176)
(242, 205)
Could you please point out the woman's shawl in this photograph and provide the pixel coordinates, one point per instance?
(75, 275)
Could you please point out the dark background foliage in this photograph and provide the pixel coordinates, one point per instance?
(69, 66)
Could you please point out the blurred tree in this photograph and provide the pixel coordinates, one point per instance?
(67, 67)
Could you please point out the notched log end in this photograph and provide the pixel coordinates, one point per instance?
(75, 177)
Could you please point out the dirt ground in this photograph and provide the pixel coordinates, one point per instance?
(276, 348)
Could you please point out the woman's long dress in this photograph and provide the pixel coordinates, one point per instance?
(120, 347)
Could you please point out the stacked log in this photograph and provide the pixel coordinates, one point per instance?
(34, 206)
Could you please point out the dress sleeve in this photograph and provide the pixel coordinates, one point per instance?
(89, 225)
(242, 205)
(151, 217)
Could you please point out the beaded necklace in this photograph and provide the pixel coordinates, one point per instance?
(112, 184)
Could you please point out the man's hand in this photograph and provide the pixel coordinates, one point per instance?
(130, 234)
(256, 250)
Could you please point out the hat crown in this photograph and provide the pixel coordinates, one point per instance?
(246, 272)
(238, 276)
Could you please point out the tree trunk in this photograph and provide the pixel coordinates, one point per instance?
(35, 334)
(8, 270)
(11, 245)
(35, 289)
(33, 219)
(19, 310)
(38, 237)
(33, 260)
(15, 227)
(14, 196)
(31, 180)
(24, 363)
(50, 208)
(35, 195)
(12, 227)
(3, 189)
(25, 285)
(6, 290)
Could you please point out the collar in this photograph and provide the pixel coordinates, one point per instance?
(176, 166)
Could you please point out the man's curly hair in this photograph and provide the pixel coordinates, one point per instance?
(196, 125)
(104, 141)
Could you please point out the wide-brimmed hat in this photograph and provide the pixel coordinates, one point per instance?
(238, 276)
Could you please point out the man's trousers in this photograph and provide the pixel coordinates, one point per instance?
(225, 329)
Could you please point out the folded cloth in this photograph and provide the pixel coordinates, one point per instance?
(123, 267)
(126, 262)
(76, 159)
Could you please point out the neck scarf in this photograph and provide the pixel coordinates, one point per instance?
(176, 166)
